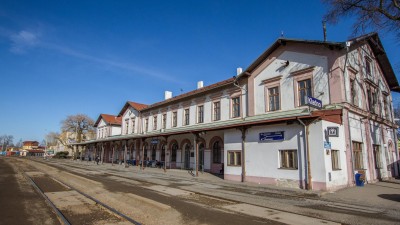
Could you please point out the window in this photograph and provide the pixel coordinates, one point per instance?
(377, 156)
(353, 92)
(335, 159)
(186, 119)
(217, 111)
(273, 99)
(126, 126)
(154, 122)
(357, 154)
(174, 148)
(234, 158)
(174, 119)
(385, 107)
(304, 89)
(200, 114)
(288, 159)
(146, 124)
(372, 99)
(216, 152)
(236, 107)
(368, 66)
(133, 125)
(164, 121)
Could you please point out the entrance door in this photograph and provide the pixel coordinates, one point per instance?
(201, 157)
(163, 153)
(187, 157)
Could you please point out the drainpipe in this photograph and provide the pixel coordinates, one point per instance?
(102, 153)
(125, 153)
(351, 145)
(345, 71)
(307, 151)
(112, 157)
(397, 168)
(243, 158)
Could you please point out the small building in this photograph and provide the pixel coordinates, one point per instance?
(30, 145)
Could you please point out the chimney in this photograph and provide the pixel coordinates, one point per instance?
(199, 84)
(167, 95)
(239, 70)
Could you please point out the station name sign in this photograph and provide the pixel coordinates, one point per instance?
(272, 136)
(314, 102)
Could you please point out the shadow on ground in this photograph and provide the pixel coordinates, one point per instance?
(392, 197)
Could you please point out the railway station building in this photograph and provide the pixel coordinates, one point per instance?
(305, 114)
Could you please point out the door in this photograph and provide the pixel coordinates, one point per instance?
(187, 157)
(201, 156)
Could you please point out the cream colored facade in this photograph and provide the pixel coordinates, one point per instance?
(257, 127)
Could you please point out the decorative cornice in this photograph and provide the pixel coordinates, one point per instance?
(303, 71)
(273, 79)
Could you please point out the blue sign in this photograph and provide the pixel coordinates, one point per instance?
(154, 141)
(314, 102)
(272, 136)
(327, 145)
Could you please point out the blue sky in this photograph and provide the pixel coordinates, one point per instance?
(60, 58)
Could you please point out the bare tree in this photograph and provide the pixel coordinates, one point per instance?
(378, 15)
(19, 144)
(52, 138)
(79, 124)
(6, 140)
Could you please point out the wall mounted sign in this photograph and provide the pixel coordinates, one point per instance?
(314, 102)
(272, 136)
(154, 141)
(333, 131)
(327, 145)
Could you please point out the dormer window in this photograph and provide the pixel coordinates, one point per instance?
(133, 125)
(126, 126)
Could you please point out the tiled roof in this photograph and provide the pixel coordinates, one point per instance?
(30, 143)
(109, 119)
(372, 39)
(137, 106)
(192, 93)
(35, 151)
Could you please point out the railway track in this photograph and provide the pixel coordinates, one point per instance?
(73, 206)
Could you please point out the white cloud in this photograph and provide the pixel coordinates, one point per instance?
(23, 41)
(116, 64)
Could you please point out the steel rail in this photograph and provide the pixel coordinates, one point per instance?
(49, 202)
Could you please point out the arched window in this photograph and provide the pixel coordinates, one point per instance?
(216, 152)
(173, 153)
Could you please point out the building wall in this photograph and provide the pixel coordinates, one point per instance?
(287, 83)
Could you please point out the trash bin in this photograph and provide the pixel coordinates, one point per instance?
(359, 180)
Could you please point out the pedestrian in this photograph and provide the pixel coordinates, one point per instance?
(97, 160)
